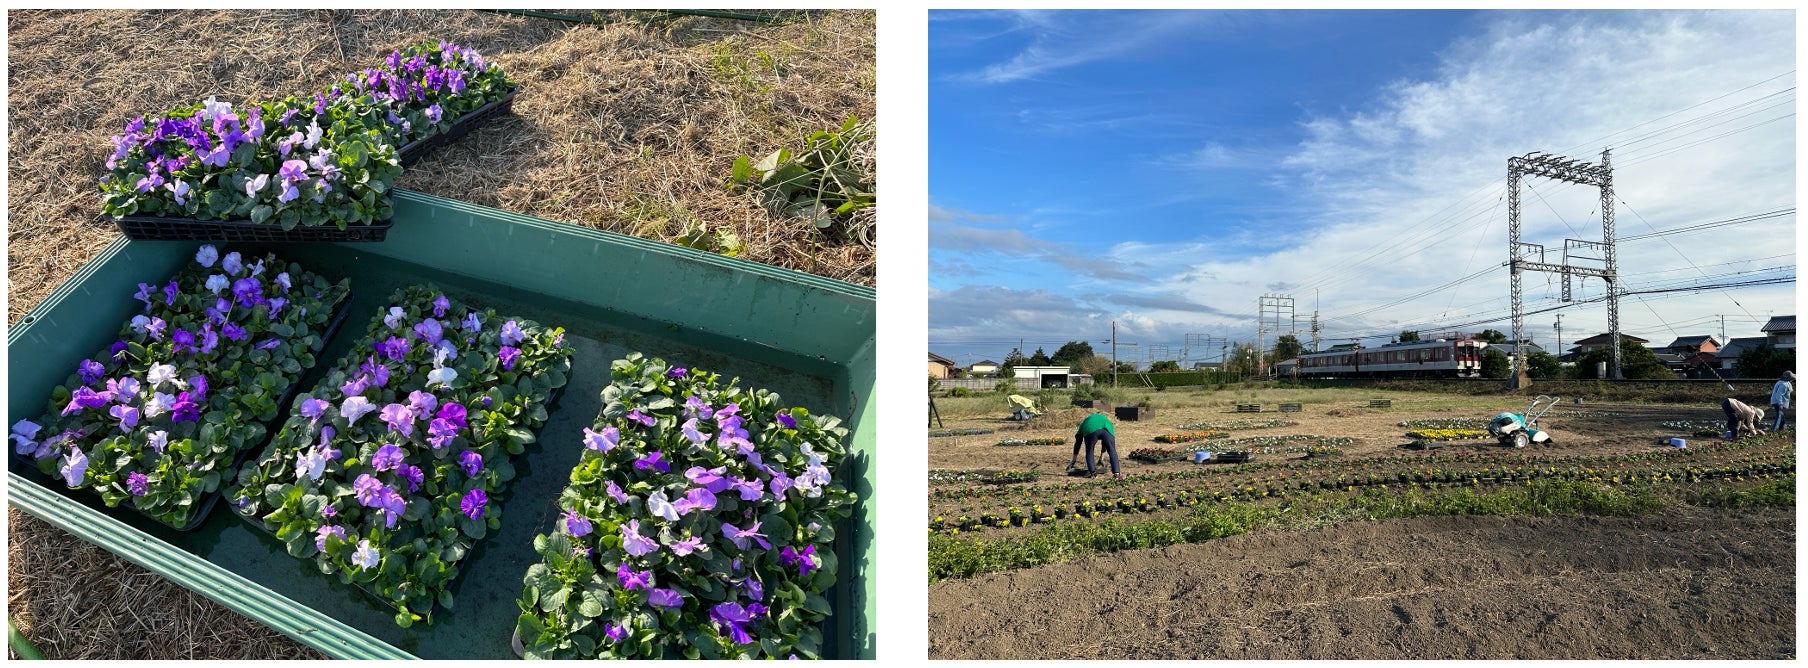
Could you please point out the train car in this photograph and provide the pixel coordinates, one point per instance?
(1438, 358)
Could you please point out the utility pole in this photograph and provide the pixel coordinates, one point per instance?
(1559, 333)
(1114, 353)
(1723, 329)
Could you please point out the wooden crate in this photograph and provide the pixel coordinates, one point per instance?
(1249, 408)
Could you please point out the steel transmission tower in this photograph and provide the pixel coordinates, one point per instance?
(1526, 256)
(1271, 305)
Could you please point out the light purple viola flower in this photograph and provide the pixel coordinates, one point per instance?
(511, 333)
(676, 372)
(508, 354)
(741, 537)
(119, 350)
(247, 291)
(150, 182)
(369, 490)
(471, 323)
(616, 632)
(640, 417)
(692, 434)
(634, 543)
(329, 511)
(197, 385)
(84, 398)
(454, 413)
(276, 306)
(710, 479)
(232, 263)
(754, 589)
(695, 407)
(632, 579)
(366, 555)
(310, 464)
(325, 530)
(155, 328)
(653, 460)
(138, 484)
(217, 282)
(605, 440)
(615, 492)
(179, 189)
(158, 440)
(685, 547)
(665, 598)
(161, 374)
(396, 318)
(169, 293)
(378, 372)
(289, 192)
(474, 503)
(253, 185)
(412, 474)
(787, 420)
(128, 417)
(387, 458)
(805, 560)
(123, 389)
(209, 339)
(144, 295)
(282, 279)
(433, 113)
(74, 467)
(423, 403)
(90, 371)
(158, 404)
(395, 348)
(355, 386)
(440, 304)
(234, 332)
(577, 525)
(440, 433)
(312, 408)
(355, 407)
(26, 429)
(429, 330)
(733, 620)
(471, 462)
(750, 489)
(697, 498)
(207, 255)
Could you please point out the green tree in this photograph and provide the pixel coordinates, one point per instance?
(1040, 358)
(1492, 336)
(1011, 361)
(1126, 367)
(1287, 347)
(1164, 366)
(1073, 354)
(1543, 365)
(1243, 359)
(1636, 361)
(1765, 361)
(1408, 335)
(1495, 364)
(1096, 365)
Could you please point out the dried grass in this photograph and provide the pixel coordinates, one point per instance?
(629, 127)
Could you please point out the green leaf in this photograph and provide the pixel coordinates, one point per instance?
(261, 213)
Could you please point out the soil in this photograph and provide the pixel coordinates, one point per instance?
(1690, 583)
(1575, 429)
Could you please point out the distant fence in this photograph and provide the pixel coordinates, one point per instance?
(1132, 380)
(987, 384)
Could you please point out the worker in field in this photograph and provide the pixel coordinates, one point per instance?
(1095, 429)
(1779, 397)
(1741, 420)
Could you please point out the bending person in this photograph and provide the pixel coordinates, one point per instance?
(1741, 420)
(1096, 428)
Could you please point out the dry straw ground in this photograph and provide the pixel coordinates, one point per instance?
(629, 127)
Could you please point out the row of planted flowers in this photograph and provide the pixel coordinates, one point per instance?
(158, 420)
(329, 158)
(385, 471)
(699, 523)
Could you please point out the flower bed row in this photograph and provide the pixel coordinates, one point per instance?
(325, 159)
(1159, 455)
(1447, 434)
(1445, 423)
(1190, 436)
(966, 431)
(386, 471)
(158, 420)
(1014, 442)
(1239, 425)
(698, 523)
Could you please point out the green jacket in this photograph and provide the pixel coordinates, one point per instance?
(1093, 423)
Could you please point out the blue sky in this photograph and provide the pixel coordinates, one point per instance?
(1165, 169)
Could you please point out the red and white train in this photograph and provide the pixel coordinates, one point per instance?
(1440, 358)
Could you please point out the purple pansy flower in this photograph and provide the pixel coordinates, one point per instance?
(640, 417)
(325, 530)
(634, 543)
(733, 619)
(207, 255)
(138, 484)
(471, 462)
(387, 458)
(616, 632)
(75, 466)
(412, 474)
(740, 537)
(429, 330)
(232, 263)
(312, 408)
(508, 354)
(805, 560)
(653, 460)
(400, 419)
(511, 333)
(615, 492)
(440, 433)
(787, 420)
(692, 434)
(454, 413)
(185, 409)
(182, 340)
(128, 417)
(605, 440)
(687, 546)
(665, 598)
(710, 479)
(440, 304)
(697, 498)
(676, 372)
(576, 524)
(632, 579)
(750, 489)
(355, 386)
(423, 403)
(234, 332)
(474, 503)
(90, 371)
(394, 347)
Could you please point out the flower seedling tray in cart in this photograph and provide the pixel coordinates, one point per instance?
(413, 151)
(808, 338)
(171, 228)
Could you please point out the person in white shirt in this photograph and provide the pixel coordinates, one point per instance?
(1779, 396)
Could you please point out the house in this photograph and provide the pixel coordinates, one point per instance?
(1676, 362)
(1510, 349)
(1780, 331)
(940, 367)
(1041, 377)
(1596, 342)
(983, 369)
(1689, 345)
(1729, 353)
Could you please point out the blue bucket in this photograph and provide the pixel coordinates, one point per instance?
(1200, 456)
